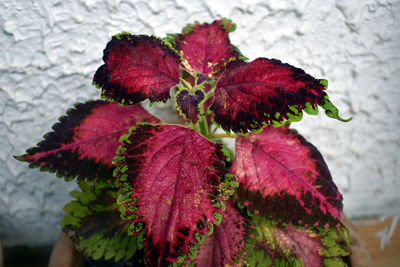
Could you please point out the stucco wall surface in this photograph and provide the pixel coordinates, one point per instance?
(49, 51)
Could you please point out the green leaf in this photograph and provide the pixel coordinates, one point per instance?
(288, 245)
(332, 111)
(310, 109)
(93, 222)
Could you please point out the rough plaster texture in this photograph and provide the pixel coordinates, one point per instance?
(50, 50)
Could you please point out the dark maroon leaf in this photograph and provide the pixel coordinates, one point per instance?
(225, 247)
(188, 104)
(137, 67)
(249, 96)
(188, 77)
(285, 178)
(201, 78)
(173, 183)
(206, 47)
(84, 142)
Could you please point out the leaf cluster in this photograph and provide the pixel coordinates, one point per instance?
(173, 194)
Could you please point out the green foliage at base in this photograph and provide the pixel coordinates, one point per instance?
(292, 246)
(93, 222)
(116, 247)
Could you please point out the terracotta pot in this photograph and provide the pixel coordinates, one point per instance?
(64, 253)
(359, 256)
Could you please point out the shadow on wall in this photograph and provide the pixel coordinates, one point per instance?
(2, 226)
(24, 256)
(1, 256)
(21, 256)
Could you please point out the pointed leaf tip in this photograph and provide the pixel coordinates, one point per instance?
(84, 142)
(228, 25)
(20, 158)
(332, 112)
(249, 96)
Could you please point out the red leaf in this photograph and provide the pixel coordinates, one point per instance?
(136, 68)
(174, 182)
(248, 96)
(285, 242)
(285, 178)
(225, 246)
(84, 142)
(301, 243)
(206, 47)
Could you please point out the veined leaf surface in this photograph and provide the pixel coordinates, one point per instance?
(284, 177)
(248, 96)
(206, 47)
(173, 182)
(137, 67)
(225, 247)
(288, 245)
(84, 142)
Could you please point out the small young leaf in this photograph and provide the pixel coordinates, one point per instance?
(285, 178)
(225, 247)
(206, 47)
(137, 67)
(250, 96)
(84, 142)
(174, 176)
(188, 104)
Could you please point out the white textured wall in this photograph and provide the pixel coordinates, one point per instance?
(50, 50)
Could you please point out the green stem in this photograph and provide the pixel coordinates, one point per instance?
(209, 94)
(203, 123)
(222, 135)
(204, 127)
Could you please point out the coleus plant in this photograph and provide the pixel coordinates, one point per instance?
(164, 194)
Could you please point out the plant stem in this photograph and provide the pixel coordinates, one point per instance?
(204, 127)
(203, 123)
(223, 135)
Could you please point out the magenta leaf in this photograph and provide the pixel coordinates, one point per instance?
(277, 245)
(250, 96)
(84, 142)
(206, 47)
(173, 184)
(137, 67)
(225, 247)
(188, 104)
(284, 177)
